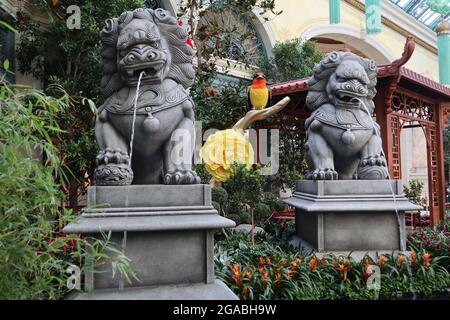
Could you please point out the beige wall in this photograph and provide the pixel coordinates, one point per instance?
(301, 18)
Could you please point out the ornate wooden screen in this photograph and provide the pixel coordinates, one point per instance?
(409, 108)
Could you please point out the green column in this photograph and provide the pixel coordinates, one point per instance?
(373, 16)
(443, 31)
(335, 11)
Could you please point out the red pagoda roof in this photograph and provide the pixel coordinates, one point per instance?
(395, 69)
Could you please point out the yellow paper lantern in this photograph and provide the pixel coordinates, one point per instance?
(224, 148)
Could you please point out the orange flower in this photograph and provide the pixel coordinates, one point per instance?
(265, 277)
(412, 256)
(261, 269)
(401, 259)
(343, 269)
(245, 292)
(381, 260)
(249, 273)
(278, 277)
(236, 274)
(334, 262)
(291, 273)
(426, 259)
(295, 264)
(261, 261)
(367, 272)
(268, 262)
(313, 263)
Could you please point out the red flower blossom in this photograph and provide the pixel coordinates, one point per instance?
(381, 260)
(313, 263)
(236, 274)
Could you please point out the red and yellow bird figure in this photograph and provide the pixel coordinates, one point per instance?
(259, 95)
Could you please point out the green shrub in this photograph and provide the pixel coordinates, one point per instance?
(202, 173)
(273, 202)
(216, 205)
(245, 217)
(236, 218)
(219, 195)
(414, 192)
(435, 240)
(34, 253)
(261, 212)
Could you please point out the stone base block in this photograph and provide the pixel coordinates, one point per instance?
(213, 291)
(166, 232)
(350, 215)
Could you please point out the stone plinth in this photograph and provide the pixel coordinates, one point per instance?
(350, 215)
(166, 231)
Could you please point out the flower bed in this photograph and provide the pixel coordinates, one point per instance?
(267, 271)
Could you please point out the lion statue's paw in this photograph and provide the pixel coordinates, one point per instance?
(377, 160)
(113, 168)
(322, 174)
(179, 177)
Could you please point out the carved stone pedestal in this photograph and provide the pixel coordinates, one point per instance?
(166, 231)
(350, 215)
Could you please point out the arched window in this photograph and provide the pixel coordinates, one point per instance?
(238, 39)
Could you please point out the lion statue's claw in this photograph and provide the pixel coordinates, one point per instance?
(323, 174)
(113, 168)
(377, 160)
(180, 177)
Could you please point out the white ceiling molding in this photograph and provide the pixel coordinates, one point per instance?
(354, 37)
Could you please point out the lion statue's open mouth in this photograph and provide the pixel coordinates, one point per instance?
(152, 72)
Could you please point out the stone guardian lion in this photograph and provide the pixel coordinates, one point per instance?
(149, 44)
(343, 141)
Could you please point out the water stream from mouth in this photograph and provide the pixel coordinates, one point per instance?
(127, 190)
(399, 219)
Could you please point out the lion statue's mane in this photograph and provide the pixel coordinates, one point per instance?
(317, 84)
(181, 68)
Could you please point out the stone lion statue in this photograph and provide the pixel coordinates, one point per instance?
(343, 141)
(150, 46)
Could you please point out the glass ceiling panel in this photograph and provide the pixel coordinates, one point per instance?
(420, 11)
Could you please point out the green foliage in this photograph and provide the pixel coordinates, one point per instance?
(34, 254)
(244, 187)
(261, 211)
(447, 146)
(236, 218)
(273, 202)
(264, 271)
(414, 192)
(219, 195)
(435, 240)
(292, 59)
(280, 233)
(202, 173)
(218, 104)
